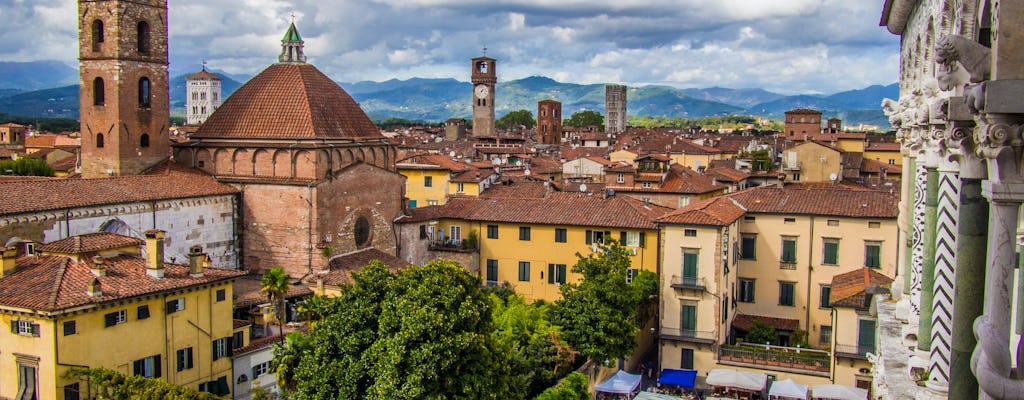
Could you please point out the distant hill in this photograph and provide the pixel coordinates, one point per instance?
(35, 75)
(867, 98)
(57, 102)
(736, 97)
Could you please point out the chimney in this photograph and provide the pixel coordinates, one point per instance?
(94, 289)
(155, 253)
(98, 268)
(7, 257)
(196, 261)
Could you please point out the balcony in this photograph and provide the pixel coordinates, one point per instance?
(858, 352)
(787, 265)
(803, 361)
(459, 246)
(790, 166)
(683, 282)
(688, 335)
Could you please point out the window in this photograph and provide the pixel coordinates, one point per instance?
(746, 290)
(560, 235)
(556, 273)
(597, 236)
(631, 274)
(786, 293)
(872, 254)
(97, 35)
(796, 177)
(620, 178)
(218, 387)
(24, 327)
(71, 392)
(789, 249)
(688, 320)
(184, 359)
(142, 312)
(646, 185)
(148, 367)
(142, 34)
(116, 317)
(144, 140)
(428, 181)
(99, 140)
(824, 302)
(456, 233)
(684, 201)
(70, 328)
(749, 218)
(222, 294)
(524, 233)
(686, 359)
(632, 239)
(874, 224)
(412, 203)
(492, 231)
(492, 270)
(748, 245)
(260, 369)
(524, 271)
(830, 251)
(789, 220)
(175, 305)
(690, 267)
(431, 202)
(690, 232)
(98, 91)
(461, 187)
(833, 222)
(825, 335)
(221, 348)
(144, 92)
(26, 382)
(237, 340)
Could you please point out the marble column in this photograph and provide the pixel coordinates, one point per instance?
(931, 204)
(917, 237)
(907, 217)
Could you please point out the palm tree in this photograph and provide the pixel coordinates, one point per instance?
(274, 285)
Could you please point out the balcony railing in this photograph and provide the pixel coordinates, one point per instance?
(684, 282)
(688, 335)
(451, 245)
(792, 166)
(810, 361)
(854, 351)
(787, 265)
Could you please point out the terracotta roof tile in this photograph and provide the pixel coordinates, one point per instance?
(852, 289)
(54, 283)
(247, 291)
(342, 267)
(89, 243)
(168, 181)
(516, 188)
(289, 100)
(204, 74)
(819, 199)
(717, 211)
(726, 174)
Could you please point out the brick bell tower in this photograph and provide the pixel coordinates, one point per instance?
(484, 79)
(123, 95)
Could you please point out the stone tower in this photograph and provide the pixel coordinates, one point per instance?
(123, 95)
(202, 96)
(615, 108)
(484, 79)
(549, 122)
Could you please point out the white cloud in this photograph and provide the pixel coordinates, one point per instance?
(516, 21)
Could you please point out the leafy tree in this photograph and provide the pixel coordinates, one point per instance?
(538, 355)
(26, 166)
(573, 387)
(585, 118)
(274, 285)
(425, 333)
(287, 356)
(110, 384)
(598, 315)
(760, 332)
(513, 120)
(760, 160)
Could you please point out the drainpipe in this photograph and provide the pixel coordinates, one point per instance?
(309, 228)
(810, 267)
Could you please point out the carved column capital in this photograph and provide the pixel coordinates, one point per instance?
(999, 142)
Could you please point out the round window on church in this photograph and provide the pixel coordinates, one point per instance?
(362, 231)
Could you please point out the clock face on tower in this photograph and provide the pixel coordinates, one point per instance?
(481, 91)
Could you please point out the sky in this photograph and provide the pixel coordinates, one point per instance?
(785, 46)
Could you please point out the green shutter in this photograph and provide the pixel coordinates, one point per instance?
(789, 251)
(561, 273)
(622, 238)
(690, 265)
(688, 321)
(642, 239)
(590, 237)
(831, 253)
(551, 272)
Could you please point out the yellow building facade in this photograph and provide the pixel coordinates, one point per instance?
(113, 310)
(812, 162)
(424, 186)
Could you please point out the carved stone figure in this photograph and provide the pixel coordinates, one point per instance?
(974, 57)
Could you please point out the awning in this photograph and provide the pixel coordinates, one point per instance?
(788, 389)
(839, 392)
(622, 382)
(678, 377)
(749, 381)
(654, 396)
(743, 322)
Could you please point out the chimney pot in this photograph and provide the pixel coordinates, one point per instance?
(98, 266)
(196, 261)
(8, 255)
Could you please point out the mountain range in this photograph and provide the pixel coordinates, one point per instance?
(48, 94)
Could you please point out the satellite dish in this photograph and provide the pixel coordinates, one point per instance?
(496, 161)
(583, 187)
(527, 172)
(452, 153)
(832, 176)
(438, 140)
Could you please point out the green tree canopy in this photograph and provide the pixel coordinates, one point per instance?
(585, 118)
(761, 332)
(25, 166)
(274, 285)
(538, 356)
(573, 387)
(424, 333)
(598, 316)
(513, 120)
(109, 384)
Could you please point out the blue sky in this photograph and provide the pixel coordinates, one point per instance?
(786, 46)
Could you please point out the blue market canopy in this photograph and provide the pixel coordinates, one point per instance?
(678, 377)
(622, 382)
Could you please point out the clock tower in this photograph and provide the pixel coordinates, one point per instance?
(484, 79)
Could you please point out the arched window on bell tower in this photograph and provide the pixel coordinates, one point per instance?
(142, 34)
(99, 140)
(97, 92)
(144, 140)
(144, 92)
(97, 35)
